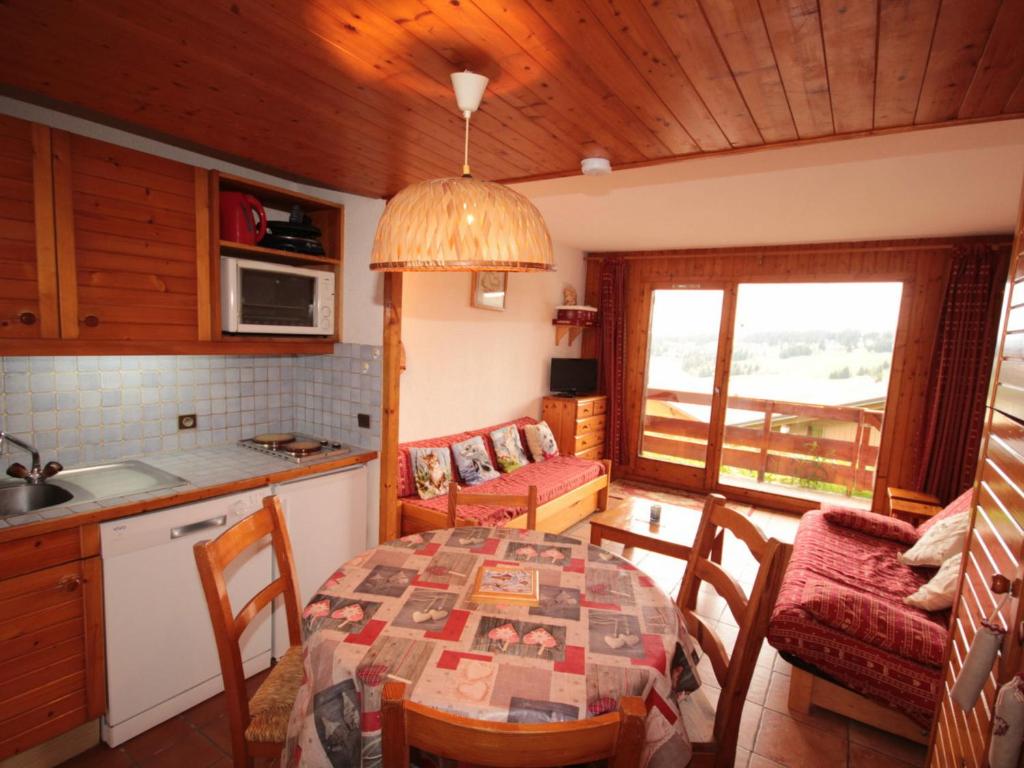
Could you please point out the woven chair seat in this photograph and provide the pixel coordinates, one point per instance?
(271, 705)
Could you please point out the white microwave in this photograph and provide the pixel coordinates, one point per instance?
(258, 297)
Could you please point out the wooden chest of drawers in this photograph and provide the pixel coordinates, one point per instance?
(578, 424)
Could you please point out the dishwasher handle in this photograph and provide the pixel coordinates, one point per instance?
(213, 522)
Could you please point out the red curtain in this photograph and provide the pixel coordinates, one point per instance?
(960, 372)
(613, 352)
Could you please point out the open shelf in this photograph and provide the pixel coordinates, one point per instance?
(327, 215)
(274, 254)
(573, 330)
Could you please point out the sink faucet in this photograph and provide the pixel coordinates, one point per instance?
(38, 474)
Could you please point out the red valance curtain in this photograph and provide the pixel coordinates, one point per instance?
(960, 372)
(613, 352)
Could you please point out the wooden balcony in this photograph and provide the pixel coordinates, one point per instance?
(763, 447)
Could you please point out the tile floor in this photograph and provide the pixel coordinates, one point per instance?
(769, 735)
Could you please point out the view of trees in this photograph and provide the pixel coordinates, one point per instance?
(843, 354)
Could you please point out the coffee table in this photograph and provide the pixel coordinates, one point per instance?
(628, 523)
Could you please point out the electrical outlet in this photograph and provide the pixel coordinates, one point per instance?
(363, 420)
(187, 421)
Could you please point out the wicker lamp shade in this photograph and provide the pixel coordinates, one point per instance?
(461, 225)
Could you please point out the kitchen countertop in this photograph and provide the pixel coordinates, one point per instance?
(208, 472)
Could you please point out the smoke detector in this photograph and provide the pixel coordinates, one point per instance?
(595, 166)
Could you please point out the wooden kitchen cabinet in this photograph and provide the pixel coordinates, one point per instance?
(132, 244)
(51, 636)
(28, 290)
(107, 250)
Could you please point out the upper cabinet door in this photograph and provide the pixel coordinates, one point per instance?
(28, 270)
(130, 227)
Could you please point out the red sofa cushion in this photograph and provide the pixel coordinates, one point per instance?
(870, 523)
(554, 477)
(867, 565)
(897, 628)
(406, 485)
(955, 507)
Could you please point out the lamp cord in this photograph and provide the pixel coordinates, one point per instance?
(465, 149)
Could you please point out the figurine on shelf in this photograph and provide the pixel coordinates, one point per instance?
(569, 296)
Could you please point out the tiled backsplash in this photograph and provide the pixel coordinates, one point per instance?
(86, 409)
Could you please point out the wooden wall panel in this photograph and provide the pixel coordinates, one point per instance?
(645, 82)
(922, 266)
(995, 544)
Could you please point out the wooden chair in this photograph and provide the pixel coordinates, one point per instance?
(258, 727)
(527, 502)
(616, 736)
(734, 672)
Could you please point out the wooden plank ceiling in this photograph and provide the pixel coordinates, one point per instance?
(354, 94)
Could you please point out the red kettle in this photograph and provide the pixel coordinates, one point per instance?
(236, 218)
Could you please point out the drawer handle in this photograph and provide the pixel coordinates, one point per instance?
(185, 530)
(90, 321)
(27, 318)
(69, 583)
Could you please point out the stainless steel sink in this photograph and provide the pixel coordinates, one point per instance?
(120, 478)
(22, 498)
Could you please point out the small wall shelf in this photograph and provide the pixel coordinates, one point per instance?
(572, 330)
(273, 254)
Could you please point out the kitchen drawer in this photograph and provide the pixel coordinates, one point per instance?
(595, 453)
(36, 552)
(53, 590)
(583, 442)
(593, 424)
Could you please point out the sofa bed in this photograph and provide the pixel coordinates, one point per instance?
(856, 647)
(568, 488)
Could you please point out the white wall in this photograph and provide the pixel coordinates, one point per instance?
(362, 321)
(958, 180)
(467, 367)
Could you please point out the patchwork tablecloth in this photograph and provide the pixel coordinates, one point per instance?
(400, 611)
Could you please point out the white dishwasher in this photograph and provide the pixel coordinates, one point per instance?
(161, 654)
(326, 519)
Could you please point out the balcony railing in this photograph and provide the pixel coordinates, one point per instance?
(763, 451)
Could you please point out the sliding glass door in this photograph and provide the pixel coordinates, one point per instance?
(808, 378)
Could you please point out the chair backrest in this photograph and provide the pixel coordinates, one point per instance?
(616, 736)
(528, 502)
(212, 558)
(751, 614)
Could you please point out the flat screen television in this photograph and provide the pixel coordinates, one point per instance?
(571, 376)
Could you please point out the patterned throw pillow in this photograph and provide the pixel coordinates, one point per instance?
(473, 461)
(432, 471)
(508, 448)
(540, 441)
(874, 525)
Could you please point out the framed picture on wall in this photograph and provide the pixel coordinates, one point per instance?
(489, 290)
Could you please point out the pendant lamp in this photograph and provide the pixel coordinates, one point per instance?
(461, 224)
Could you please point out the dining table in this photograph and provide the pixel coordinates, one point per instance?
(600, 630)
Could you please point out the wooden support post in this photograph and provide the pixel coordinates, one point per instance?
(390, 525)
(857, 444)
(766, 436)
